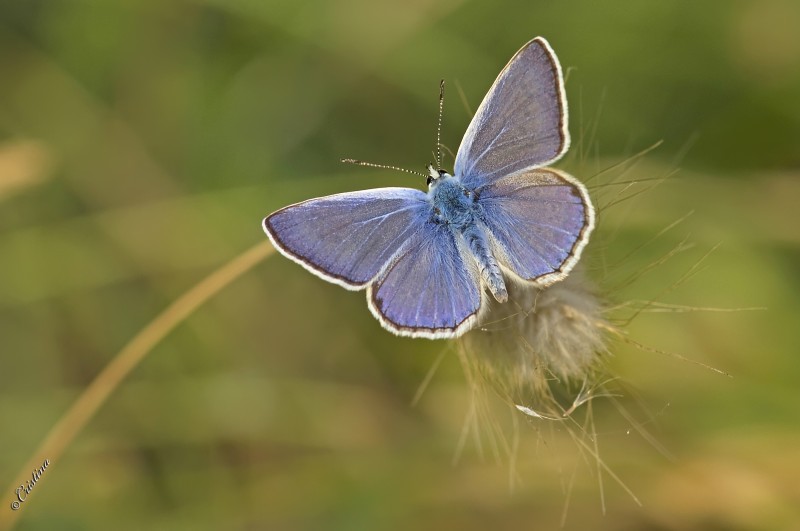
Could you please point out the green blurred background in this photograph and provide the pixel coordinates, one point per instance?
(141, 143)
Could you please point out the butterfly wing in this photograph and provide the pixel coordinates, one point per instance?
(539, 221)
(348, 238)
(430, 290)
(522, 121)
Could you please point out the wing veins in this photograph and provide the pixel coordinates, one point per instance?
(486, 149)
(539, 255)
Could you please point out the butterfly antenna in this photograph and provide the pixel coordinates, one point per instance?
(383, 166)
(439, 127)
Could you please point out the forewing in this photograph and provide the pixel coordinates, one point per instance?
(539, 222)
(430, 290)
(348, 238)
(522, 121)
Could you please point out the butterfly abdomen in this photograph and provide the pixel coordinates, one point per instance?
(487, 263)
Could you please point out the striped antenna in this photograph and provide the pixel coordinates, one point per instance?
(438, 146)
(439, 127)
(382, 166)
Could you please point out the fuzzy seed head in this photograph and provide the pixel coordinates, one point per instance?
(541, 339)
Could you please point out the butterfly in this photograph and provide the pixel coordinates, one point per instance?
(430, 261)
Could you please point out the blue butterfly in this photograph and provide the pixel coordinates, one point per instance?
(428, 260)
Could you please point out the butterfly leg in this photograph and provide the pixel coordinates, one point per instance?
(487, 264)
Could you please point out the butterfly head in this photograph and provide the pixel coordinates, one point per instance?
(435, 174)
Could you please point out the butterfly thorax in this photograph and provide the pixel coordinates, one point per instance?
(455, 206)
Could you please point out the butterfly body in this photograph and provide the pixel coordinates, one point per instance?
(427, 261)
(457, 207)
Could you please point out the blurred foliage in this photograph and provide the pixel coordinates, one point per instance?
(142, 141)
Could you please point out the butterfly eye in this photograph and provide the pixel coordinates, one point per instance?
(430, 180)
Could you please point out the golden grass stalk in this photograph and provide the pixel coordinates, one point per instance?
(95, 395)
